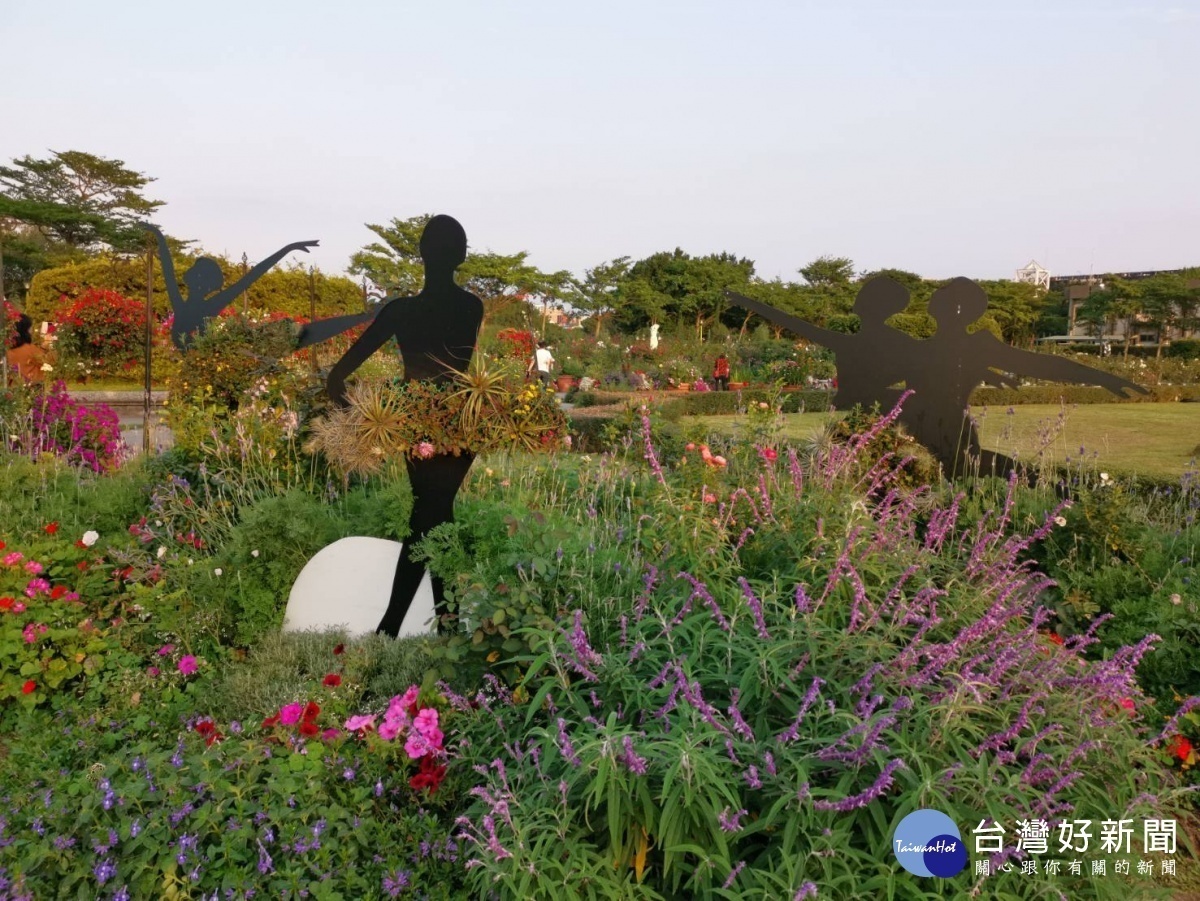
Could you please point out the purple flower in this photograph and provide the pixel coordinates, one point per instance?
(564, 744)
(807, 890)
(730, 822)
(396, 883)
(635, 763)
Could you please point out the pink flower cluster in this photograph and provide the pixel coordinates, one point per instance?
(418, 726)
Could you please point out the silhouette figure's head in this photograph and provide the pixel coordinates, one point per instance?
(203, 278)
(957, 305)
(443, 244)
(880, 298)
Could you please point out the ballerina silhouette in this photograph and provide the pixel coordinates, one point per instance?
(436, 331)
(941, 371)
(207, 296)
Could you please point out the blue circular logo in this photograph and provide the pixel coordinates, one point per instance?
(928, 843)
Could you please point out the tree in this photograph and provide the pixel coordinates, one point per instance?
(78, 199)
(689, 289)
(828, 272)
(394, 263)
(1169, 302)
(597, 292)
(1015, 308)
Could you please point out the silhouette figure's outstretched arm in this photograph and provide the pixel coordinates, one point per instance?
(385, 326)
(223, 298)
(1004, 357)
(168, 268)
(323, 329)
(805, 330)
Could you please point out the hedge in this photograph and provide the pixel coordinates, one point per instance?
(280, 290)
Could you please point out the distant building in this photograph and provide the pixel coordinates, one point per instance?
(1076, 289)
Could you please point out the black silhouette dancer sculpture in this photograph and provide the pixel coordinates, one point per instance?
(941, 371)
(207, 296)
(869, 361)
(436, 331)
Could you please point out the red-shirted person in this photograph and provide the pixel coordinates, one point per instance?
(721, 373)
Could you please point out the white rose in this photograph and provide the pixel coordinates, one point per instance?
(89, 538)
(46, 367)
(162, 552)
(254, 553)
(217, 571)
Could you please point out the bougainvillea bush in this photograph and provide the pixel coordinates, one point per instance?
(35, 422)
(100, 332)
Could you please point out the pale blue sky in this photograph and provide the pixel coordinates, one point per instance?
(955, 137)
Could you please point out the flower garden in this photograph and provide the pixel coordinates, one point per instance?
(687, 665)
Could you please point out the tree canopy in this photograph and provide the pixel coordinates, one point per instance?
(394, 263)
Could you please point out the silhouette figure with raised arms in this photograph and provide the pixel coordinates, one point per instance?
(941, 371)
(207, 296)
(953, 362)
(869, 361)
(436, 331)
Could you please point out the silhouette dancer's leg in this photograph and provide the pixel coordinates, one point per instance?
(435, 483)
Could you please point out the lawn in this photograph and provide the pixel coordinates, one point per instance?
(1155, 439)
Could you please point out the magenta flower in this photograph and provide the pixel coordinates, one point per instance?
(360, 722)
(425, 450)
(289, 714)
(426, 725)
(36, 587)
(152, 671)
(13, 558)
(33, 568)
(165, 650)
(187, 664)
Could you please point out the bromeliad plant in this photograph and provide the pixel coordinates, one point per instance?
(479, 410)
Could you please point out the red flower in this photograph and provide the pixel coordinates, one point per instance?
(57, 592)
(270, 722)
(51, 528)
(208, 730)
(2, 545)
(311, 712)
(80, 544)
(1180, 747)
(339, 649)
(1055, 637)
(309, 729)
(29, 687)
(333, 680)
(6, 603)
(430, 776)
(1128, 704)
